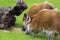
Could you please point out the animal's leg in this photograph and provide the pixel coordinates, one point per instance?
(55, 36)
(23, 28)
(50, 35)
(36, 33)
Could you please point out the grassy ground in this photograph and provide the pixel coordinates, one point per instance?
(21, 35)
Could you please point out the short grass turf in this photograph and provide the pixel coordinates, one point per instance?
(21, 35)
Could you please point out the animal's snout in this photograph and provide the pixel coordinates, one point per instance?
(23, 28)
(24, 6)
(27, 32)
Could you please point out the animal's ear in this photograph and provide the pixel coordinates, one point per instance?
(25, 15)
(32, 17)
(19, 2)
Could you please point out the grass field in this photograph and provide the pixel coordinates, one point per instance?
(21, 35)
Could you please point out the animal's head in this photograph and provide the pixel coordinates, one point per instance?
(4, 10)
(26, 24)
(3, 26)
(7, 20)
(22, 4)
(25, 21)
(4, 17)
(19, 8)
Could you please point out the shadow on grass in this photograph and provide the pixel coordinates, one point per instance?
(38, 37)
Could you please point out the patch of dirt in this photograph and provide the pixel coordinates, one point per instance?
(13, 29)
(4, 31)
(17, 29)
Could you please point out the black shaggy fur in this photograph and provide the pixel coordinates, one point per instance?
(7, 19)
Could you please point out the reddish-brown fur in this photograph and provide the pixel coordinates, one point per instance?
(47, 19)
(37, 7)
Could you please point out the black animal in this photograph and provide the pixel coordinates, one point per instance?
(7, 18)
(3, 10)
(19, 8)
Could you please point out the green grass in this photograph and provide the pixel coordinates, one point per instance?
(21, 35)
(18, 36)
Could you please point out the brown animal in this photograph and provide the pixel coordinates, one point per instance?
(33, 10)
(47, 21)
(37, 7)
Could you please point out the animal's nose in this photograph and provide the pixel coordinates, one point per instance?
(27, 32)
(25, 6)
(23, 28)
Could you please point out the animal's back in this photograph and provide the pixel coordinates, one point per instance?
(37, 7)
(47, 19)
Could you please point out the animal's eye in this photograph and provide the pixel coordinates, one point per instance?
(24, 18)
(28, 18)
(19, 3)
(22, 2)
